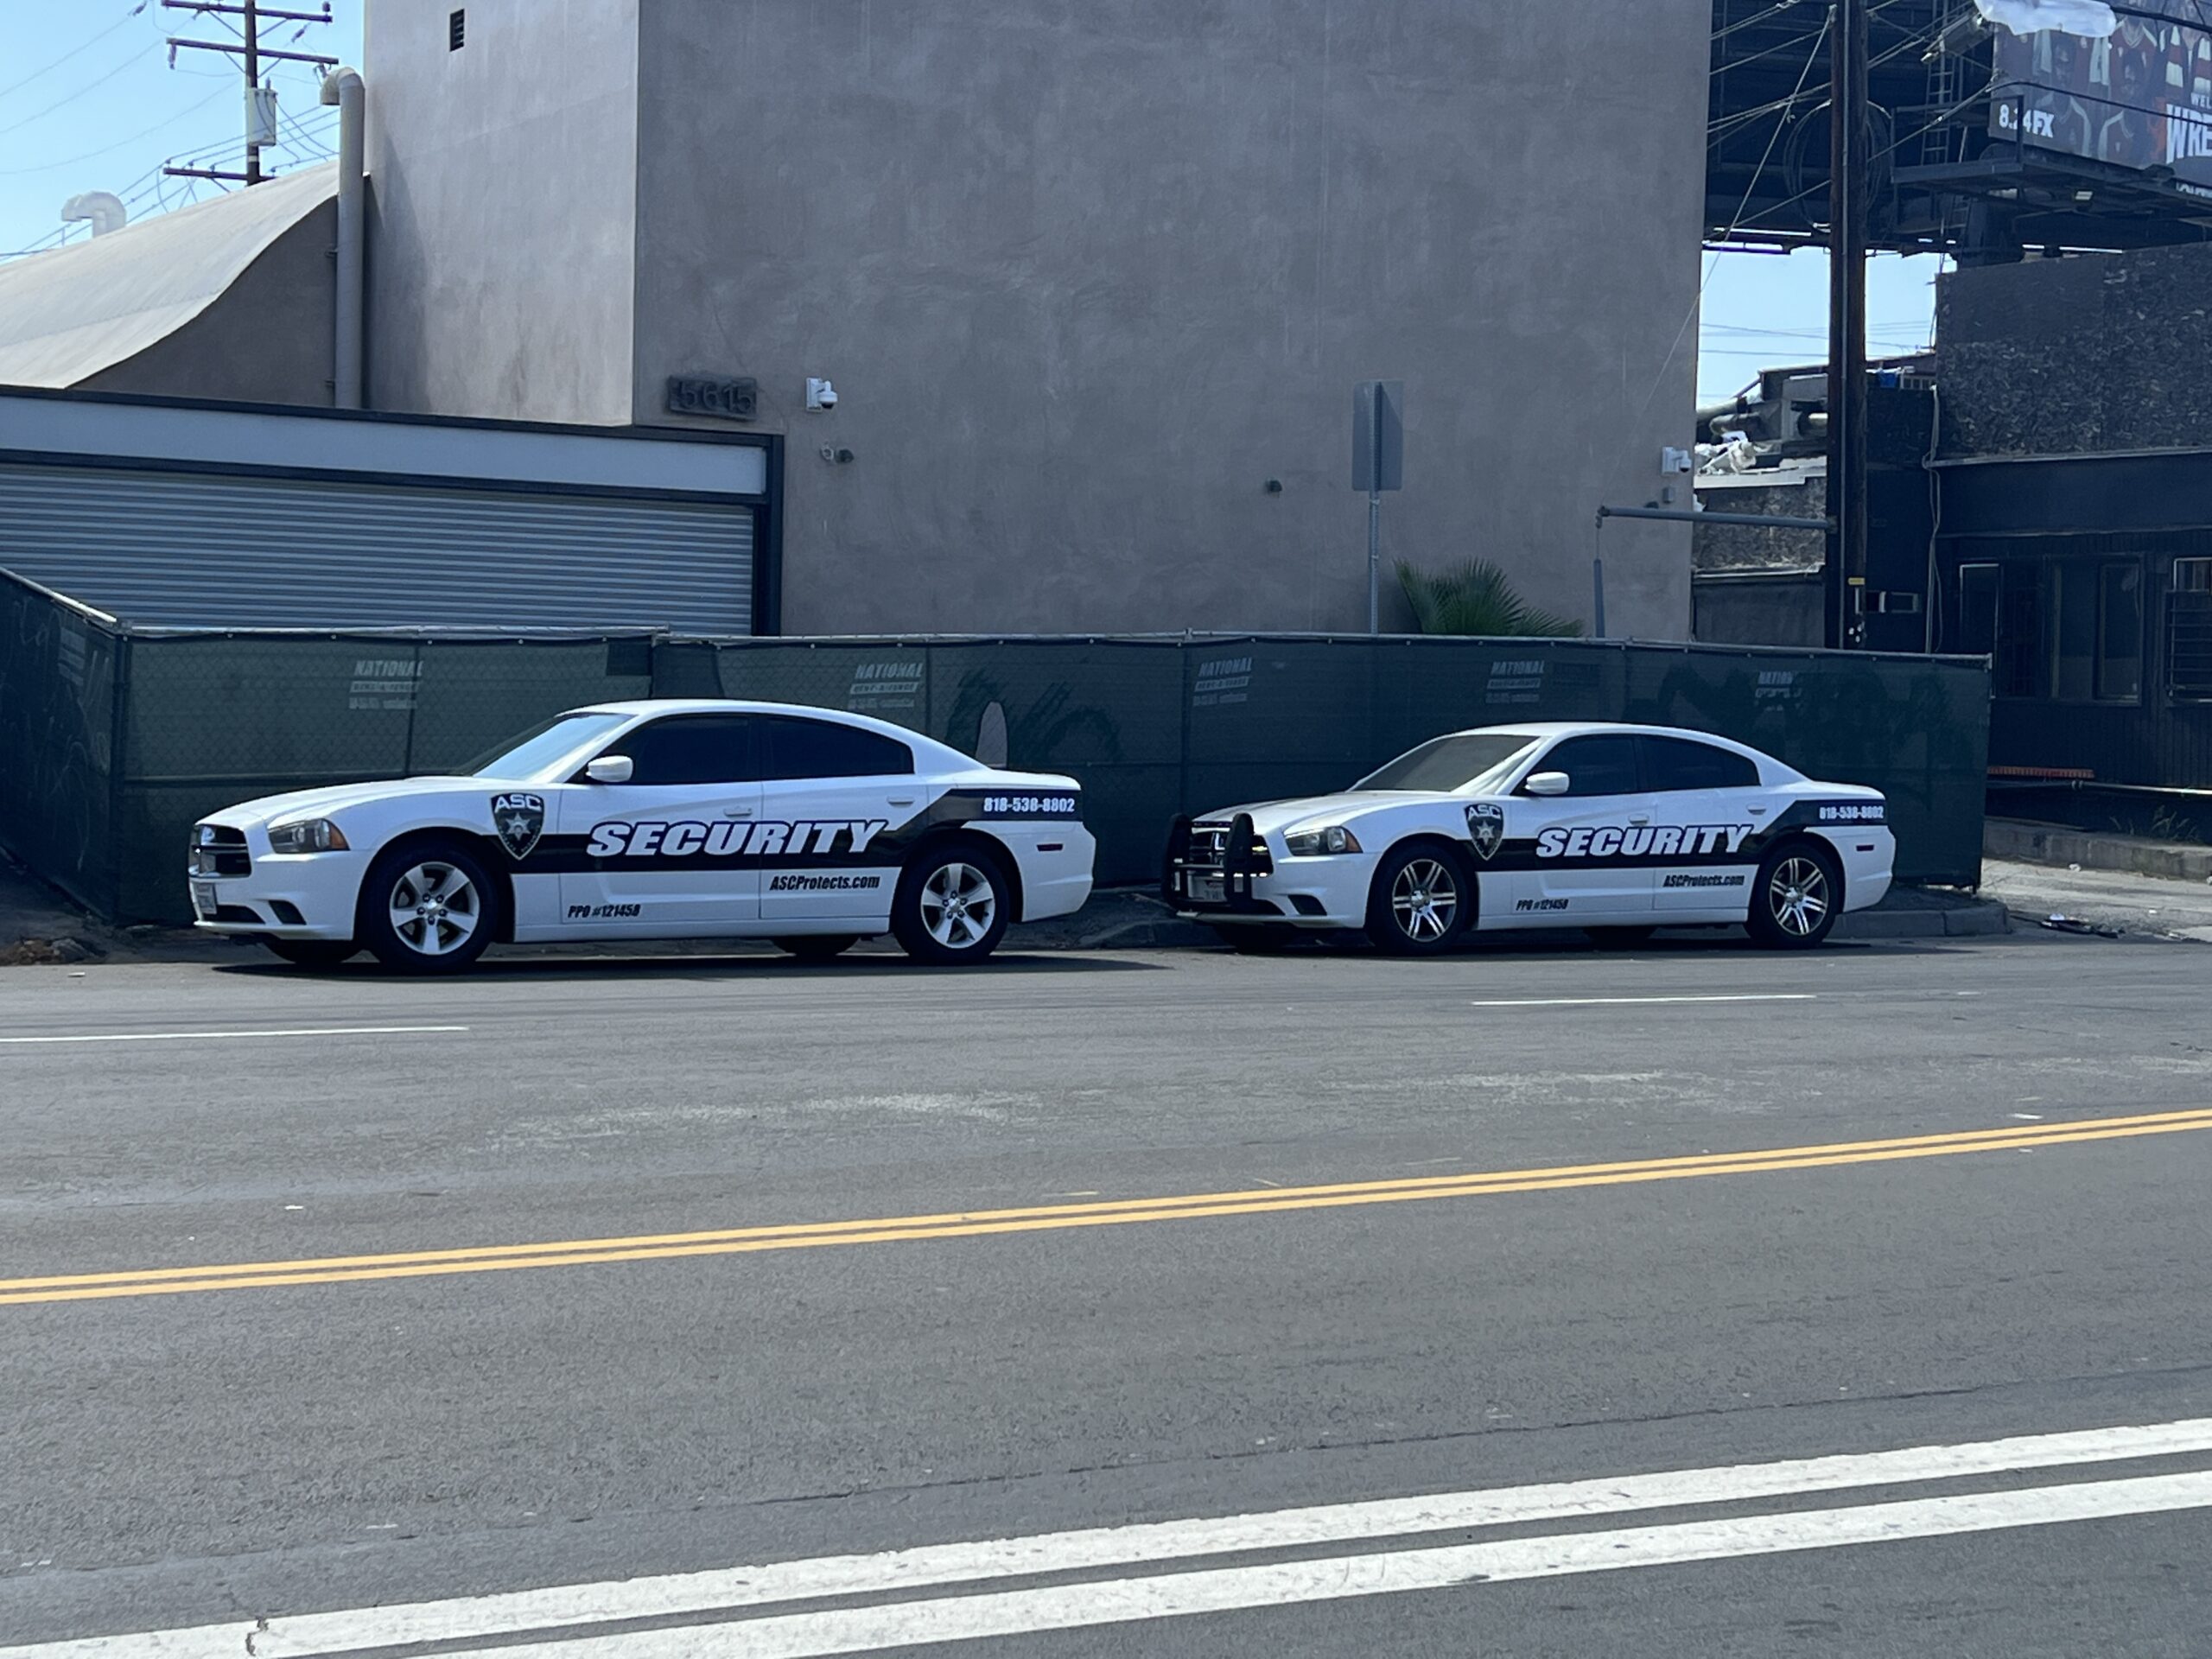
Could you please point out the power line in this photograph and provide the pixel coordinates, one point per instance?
(1712, 264)
(94, 154)
(75, 51)
(129, 62)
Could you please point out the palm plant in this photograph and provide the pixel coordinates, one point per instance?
(1477, 599)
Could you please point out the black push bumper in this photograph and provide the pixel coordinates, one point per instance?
(1209, 872)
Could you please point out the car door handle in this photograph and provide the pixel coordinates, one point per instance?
(737, 812)
(900, 800)
(1756, 811)
(1646, 819)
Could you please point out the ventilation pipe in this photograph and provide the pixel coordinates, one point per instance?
(105, 213)
(343, 88)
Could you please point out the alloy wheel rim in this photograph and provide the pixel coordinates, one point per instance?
(434, 908)
(959, 906)
(1425, 900)
(1798, 897)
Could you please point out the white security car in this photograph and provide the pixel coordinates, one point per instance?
(1616, 830)
(656, 820)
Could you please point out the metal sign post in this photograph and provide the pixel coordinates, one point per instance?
(1378, 463)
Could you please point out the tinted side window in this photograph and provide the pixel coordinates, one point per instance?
(1676, 763)
(819, 749)
(692, 749)
(1595, 766)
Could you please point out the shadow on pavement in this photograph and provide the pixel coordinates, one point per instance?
(747, 966)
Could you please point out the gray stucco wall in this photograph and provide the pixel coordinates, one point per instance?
(502, 208)
(2078, 356)
(1087, 275)
(268, 339)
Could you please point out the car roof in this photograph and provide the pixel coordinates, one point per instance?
(1541, 729)
(639, 706)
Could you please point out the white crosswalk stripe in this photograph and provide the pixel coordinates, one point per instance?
(950, 1598)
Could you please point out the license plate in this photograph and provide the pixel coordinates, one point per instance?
(1207, 890)
(203, 898)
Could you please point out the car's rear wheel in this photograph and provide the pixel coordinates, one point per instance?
(1796, 898)
(1422, 901)
(953, 905)
(429, 908)
(315, 954)
(818, 947)
(1619, 938)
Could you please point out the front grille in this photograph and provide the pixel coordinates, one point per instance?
(217, 850)
(1210, 850)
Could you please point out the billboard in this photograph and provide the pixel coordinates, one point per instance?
(2141, 98)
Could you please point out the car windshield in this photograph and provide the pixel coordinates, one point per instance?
(1448, 764)
(544, 746)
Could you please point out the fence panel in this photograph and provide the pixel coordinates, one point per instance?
(59, 668)
(1107, 713)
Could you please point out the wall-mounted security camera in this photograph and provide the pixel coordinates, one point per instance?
(837, 457)
(820, 395)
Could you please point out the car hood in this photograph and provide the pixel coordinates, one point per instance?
(1270, 817)
(335, 798)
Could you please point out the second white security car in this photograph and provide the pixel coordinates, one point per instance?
(656, 820)
(1616, 830)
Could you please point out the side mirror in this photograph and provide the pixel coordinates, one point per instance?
(609, 769)
(1548, 783)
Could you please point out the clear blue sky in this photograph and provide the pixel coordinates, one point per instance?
(89, 102)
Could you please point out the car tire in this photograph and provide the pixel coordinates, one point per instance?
(429, 908)
(1619, 938)
(317, 955)
(1257, 938)
(817, 947)
(1422, 899)
(1796, 897)
(953, 905)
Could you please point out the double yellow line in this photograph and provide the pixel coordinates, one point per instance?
(897, 1229)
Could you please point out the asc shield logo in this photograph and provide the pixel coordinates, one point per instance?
(520, 820)
(1486, 825)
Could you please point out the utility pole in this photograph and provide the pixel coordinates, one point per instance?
(1849, 214)
(260, 101)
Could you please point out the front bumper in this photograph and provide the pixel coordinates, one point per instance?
(305, 896)
(1206, 880)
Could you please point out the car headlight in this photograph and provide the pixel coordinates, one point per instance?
(1316, 844)
(308, 836)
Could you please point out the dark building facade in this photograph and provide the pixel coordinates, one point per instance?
(2074, 546)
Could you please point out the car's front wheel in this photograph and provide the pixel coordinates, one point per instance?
(1422, 901)
(1796, 898)
(953, 905)
(429, 908)
(315, 954)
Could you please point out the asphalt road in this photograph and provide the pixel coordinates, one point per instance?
(1654, 1277)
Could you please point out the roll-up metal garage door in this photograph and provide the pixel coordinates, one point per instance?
(204, 550)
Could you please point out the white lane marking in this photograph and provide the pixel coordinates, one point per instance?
(1076, 1606)
(236, 1036)
(1642, 1001)
(937, 1565)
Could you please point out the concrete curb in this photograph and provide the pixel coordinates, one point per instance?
(2042, 844)
(1980, 919)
